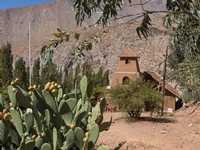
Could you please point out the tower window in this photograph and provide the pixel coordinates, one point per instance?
(128, 61)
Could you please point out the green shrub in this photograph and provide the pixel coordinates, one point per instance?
(136, 96)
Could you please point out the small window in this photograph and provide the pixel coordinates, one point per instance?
(128, 61)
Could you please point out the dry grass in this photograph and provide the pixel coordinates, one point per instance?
(138, 143)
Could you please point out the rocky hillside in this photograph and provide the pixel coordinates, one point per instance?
(118, 38)
(44, 19)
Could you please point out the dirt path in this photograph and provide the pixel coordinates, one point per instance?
(183, 133)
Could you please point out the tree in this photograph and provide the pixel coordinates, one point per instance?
(6, 62)
(49, 73)
(6, 68)
(184, 45)
(99, 78)
(135, 96)
(106, 78)
(35, 78)
(68, 83)
(21, 72)
(77, 74)
(59, 79)
(87, 70)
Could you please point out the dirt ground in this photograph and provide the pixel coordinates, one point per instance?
(178, 130)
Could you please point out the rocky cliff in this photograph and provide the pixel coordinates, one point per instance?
(45, 19)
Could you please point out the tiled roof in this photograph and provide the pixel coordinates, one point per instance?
(128, 53)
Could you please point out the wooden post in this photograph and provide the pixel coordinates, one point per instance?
(29, 50)
(164, 75)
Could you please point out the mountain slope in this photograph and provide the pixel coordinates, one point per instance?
(45, 19)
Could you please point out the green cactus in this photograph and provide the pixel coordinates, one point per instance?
(3, 103)
(4, 132)
(79, 135)
(46, 146)
(49, 120)
(29, 120)
(17, 119)
(103, 147)
(94, 134)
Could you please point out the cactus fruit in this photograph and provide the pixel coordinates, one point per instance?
(49, 119)
(5, 111)
(87, 134)
(35, 87)
(17, 80)
(12, 83)
(73, 126)
(85, 139)
(10, 105)
(30, 88)
(14, 90)
(64, 96)
(33, 137)
(90, 113)
(7, 117)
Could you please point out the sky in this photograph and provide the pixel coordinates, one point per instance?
(5, 4)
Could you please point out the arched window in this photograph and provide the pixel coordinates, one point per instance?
(125, 80)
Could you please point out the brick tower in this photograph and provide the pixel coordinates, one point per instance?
(128, 68)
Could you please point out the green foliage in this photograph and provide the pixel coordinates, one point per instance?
(183, 61)
(3, 91)
(98, 92)
(49, 120)
(101, 78)
(59, 78)
(68, 83)
(135, 96)
(47, 51)
(143, 28)
(106, 78)
(6, 65)
(109, 9)
(49, 73)
(35, 78)
(187, 96)
(77, 74)
(6, 69)
(21, 72)
(87, 69)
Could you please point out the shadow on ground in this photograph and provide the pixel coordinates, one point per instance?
(153, 119)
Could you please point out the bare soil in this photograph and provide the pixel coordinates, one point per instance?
(178, 130)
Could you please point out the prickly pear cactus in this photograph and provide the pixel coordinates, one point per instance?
(48, 119)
